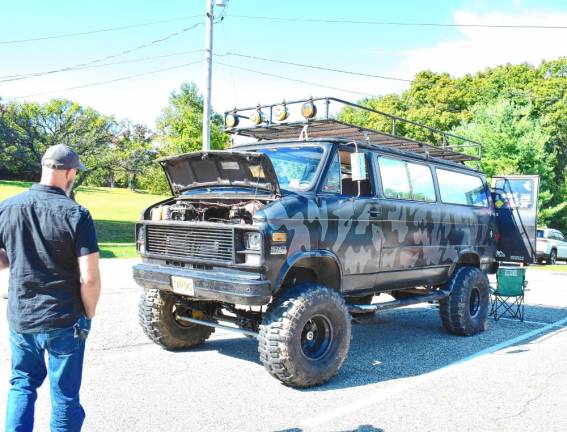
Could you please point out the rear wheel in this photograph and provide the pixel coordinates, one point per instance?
(305, 337)
(465, 311)
(158, 316)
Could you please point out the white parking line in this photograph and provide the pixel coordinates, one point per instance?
(404, 384)
(533, 322)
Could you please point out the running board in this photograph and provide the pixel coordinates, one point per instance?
(364, 309)
(216, 325)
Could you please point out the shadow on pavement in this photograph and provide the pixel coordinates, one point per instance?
(361, 428)
(404, 343)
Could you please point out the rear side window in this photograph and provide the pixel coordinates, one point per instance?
(459, 188)
(540, 234)
(421, 182)
(394, 178)
(406, 180)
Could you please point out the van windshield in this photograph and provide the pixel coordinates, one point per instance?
(296, 167)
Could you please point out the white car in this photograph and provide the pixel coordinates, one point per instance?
(550, 245)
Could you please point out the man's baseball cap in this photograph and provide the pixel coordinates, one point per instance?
(62, 157)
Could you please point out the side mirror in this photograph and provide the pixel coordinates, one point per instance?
(358, 166)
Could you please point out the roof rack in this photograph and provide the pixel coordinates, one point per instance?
(264, 126)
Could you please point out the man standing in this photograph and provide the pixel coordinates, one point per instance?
(49, 243)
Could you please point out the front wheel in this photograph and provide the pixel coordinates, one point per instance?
(158, 316)
(552, 257)
(305, 337)
(465, 311)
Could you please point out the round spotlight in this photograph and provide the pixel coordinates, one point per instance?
(232, 120)
(281, 112)
(308, 110)
(257, 117)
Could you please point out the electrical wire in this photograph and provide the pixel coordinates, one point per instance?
(104, 30)
(105, 82)
(141, 59)
(395, 23)
(313, 67)
(101, 59)
(294, 79)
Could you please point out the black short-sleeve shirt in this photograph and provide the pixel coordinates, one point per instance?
(44, 232)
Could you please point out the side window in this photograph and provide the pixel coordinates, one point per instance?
(339, 179)
(333, 182)
(421, 182)
(459, 188)
(394, 177)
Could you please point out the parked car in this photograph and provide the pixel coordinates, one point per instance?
(284, 239)
(551, 246)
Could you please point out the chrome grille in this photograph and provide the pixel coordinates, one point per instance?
(202, 243)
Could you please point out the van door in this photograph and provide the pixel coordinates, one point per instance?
(516, 202)
(350, 230)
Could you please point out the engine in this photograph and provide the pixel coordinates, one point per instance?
(233, 213)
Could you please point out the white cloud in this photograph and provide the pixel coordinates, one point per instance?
(479, 48)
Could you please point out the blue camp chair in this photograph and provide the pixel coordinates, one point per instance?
(508, 297)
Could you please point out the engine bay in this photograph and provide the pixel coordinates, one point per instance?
(233, 212)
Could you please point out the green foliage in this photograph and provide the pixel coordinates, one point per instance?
(27, 129)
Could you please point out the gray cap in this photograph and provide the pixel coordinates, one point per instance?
(62, 157)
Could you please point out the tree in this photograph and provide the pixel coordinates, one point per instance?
(179, 130)
(27, 129)
(133, 153)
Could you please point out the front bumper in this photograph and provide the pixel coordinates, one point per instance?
(235, 288)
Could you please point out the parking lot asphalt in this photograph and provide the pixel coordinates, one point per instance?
(403, 373)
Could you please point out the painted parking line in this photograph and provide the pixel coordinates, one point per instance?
(404, 384)
(541, 323)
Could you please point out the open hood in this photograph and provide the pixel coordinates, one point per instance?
(220, 168)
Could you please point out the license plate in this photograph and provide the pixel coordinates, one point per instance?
(184, 286)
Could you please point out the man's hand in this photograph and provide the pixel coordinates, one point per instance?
(90, 282)
(4, 263)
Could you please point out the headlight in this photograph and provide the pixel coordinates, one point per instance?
(141, 239)
(232, 120)
(253, 241)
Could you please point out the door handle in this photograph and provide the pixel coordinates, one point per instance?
(375, 212)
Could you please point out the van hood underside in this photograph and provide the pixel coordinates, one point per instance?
(220, 168)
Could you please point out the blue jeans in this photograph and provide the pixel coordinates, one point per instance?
(65, 348)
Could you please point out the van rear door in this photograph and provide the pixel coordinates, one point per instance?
(516, 202)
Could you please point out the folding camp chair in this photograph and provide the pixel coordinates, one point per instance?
(508, 297)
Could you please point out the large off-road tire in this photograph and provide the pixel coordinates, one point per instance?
(157, 316)
(305, 336)
(465, 311)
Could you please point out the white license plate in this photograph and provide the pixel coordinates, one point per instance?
(184, 286)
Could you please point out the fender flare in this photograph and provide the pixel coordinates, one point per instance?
(299, 256)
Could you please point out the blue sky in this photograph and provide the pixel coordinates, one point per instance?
(382, 50)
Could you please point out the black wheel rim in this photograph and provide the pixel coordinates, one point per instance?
(316, 337)
(553, 257)
(474, 304)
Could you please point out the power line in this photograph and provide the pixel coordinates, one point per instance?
(141, 59)
(101, 59)
(396, 23)
(104, 30)
(295, 80)
(105, 82)
(314, 67)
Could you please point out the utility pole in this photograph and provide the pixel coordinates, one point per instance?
(209, 70)
(208, 75)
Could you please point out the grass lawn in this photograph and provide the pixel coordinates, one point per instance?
(555, 268)
(115, 212)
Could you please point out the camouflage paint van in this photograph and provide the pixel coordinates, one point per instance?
(285, 240)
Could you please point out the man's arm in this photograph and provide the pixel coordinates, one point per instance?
(90, 282)
(4, 263)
